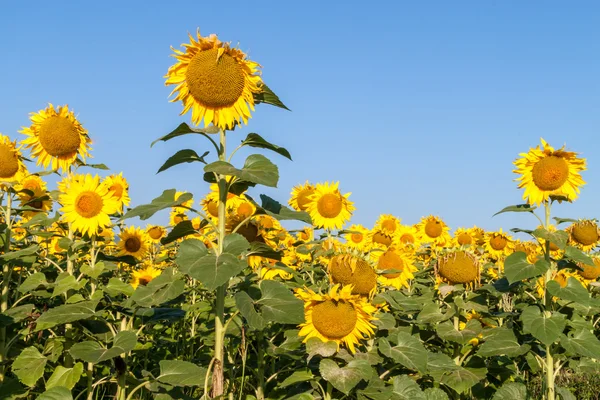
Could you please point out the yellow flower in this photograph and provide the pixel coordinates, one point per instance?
(144, 276)
(590, 272)
(433, 230)
(465, 237)
(357, 238)
(56, 138)
(338, 316)
(87, 204)
(349, 269)
(155, 232)
(301, 196)
(409, 236)
(547, 172)
(396, 267)
(133, 242)
(458, 267)
(307, 234)
(119, 188)
(31, 182)
(328, 208)
(498, 244)
(215, 81)
(584, 234)
(12, 168)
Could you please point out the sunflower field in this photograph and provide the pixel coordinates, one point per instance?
(241, 296)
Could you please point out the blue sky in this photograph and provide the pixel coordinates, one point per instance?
(416, 108)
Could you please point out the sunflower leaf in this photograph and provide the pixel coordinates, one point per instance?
(516, 208)
(255, 140)
(181, 373)
(573, 291)
(559, 238)
(278, 211)
(346, 378)
(267, 96)
(278, 304)
(546, 327)
(517, 268)
(182, 229)
(90, 351)
(66, 313)
(159, 290)
(576, 255)
(512, 391)
(29, 366)
(257, 169)
(185, 129)
(182, 156)
(246, 306)
(409, 351)
(165, 200)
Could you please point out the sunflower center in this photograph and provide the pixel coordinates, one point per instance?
(550, 173)
(585, 233)
(382, 238)
(59, 136)
(458, 268)
(391, 260)
(9, 162)
(433, 229)
(214, 81)
(330, 205)
(591, 272)
(356, 237)
(133, 244)
(36, 204)
(464, 238)
(498, 243)
(407, 238)
(117, 189)
(245, 210)
(155, 232)
(143, 281)
(363, 277)
(304, 198)
(334, 319)
(88, 204)
(389, 225)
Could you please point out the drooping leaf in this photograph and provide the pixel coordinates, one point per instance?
(573, 291)
(346, 378)
(181, 373)
(212, 271)
(165, 200)
(182, 156)
(255, 140)
(267, 96)
(159, 290)
(116, 287)
(462, 379)
(185, 129)
(66, 313)
(93, 352)
(235, 244)
(439, 364)
(246, 306)
(517, 208)
(29, 366)
(33, 282)
(583, 343)
(13, 255)
(446, 331)
(66, 377)
(546, 327)
(576, 255)
(300, 376)
(559, 238)
(407, 389)
(315, 346)
(517, 268)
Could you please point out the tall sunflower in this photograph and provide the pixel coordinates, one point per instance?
(433, 230)
(56, 138)
(329, 209)
(134, 242)
(458, 267)
(11, 163)
(214, 80)
(119, 187)
(301, 196)
(87, 204)
(547, 172)
(584, 234)
(337, 316)
(498, 244)
(350, 269)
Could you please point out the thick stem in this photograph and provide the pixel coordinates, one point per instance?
(549, 375)
(6, 275)
(217, 378)
(260, 389)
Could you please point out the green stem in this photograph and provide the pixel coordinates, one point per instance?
(6, 275)
(221, 291)
(549, 374)
(548, 303)
(260, 389)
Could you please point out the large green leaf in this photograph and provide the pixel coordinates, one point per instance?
(66, 377)
(255, 140)
(511, 391)
(13, 255)
(573, 291)
(280, 212)
(182, 229)
(439, 364)
(66, 313)
(546, 327)
(559, 238)
(517, 268)
(182, 156)
(435, 394)
(300, 376)
(56, 393)
(576, 255)
(408, 351)
(116, 287)
(193, 259)
(185, 129)
(29, 366)
(407, 389)
(159, 290)
(346, 378)
(257, 169)
(315, 346)
(517, 208)
(65, 282)
(582, 343)
(446, 331)
(92, 352)
(499, 342)
(278, 304)
(431, 313)
(235, 244)
(33, 282)
(165, 200)
(247, 308)
(181, 373)
(462, 379)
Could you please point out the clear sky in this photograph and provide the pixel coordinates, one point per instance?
(416, 107)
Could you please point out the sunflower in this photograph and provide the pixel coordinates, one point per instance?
(12, 167)
(396, 267)
(590, 272)
(269, 269)
(433, 230)
(584, 234)
(119, 189)
(214, 80)
(356, 238)
(144, 276)
(409, 236)
(338, 316)
(133, 242)
(328, 208)
(464, 237)
(479, 235)
(458, 267)
(56, 138)
(307, 234)
(37, 200)
(241, 207)
(155, 233)
(498, 244)
(31, 182)
(385, 230)
(301, 196)
(547, 172)
(87, 204)
(350, 269)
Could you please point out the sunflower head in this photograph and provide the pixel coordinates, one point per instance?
(119, 188)
(433, 230)
(12, 168)
(56, 138)
(396, 266)
(134, 242)
(155, 232)
(409, 236)
(328, 208)
(351, 269)
(498, 244)
(217, 82)
(458, 267)
(301, 195)
(356, 238)
(464, 237)
(144, 276)
(337, 316)
(590, 272)
(584, 234)
(546, 172)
